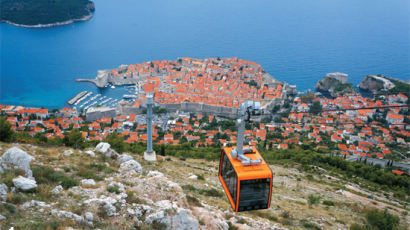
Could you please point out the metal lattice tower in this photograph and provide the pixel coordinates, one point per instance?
(149, 154)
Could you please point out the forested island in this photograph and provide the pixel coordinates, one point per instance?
(45, 13)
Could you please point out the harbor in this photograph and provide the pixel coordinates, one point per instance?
(107, 97)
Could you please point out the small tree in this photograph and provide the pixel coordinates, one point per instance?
(382, 219)
(116, 141)
(75, 138)
(5, 130)
(315, 108)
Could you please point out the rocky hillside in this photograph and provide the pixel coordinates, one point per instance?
(42, 13)
(334, 84)
(375, 83)
(54, 187)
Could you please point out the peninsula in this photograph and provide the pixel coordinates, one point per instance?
(216, 85)
(45, 13)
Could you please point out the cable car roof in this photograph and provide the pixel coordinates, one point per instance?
(252, 171)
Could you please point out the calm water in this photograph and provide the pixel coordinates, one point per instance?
(297, 41)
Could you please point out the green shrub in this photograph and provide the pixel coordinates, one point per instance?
(16, 198)
(329, 203)
(8, 175)
(5, 130)
(192, 201)
(188, 187)
(232, 227)
(201, 177)
(113, 189)
(211, 192)
(381, 220)
(132, 198)
(312, 199)
(310, 225)
(88, 173)
(242, 221)
(47, 175)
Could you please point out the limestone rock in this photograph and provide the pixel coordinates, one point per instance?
(124, 157)
(334, 83)
(131, 166)
(88, 182)
(17, 159)
(89, 216)
(375, 83)
(69, 215)
(68, 152)
(184, 220)
(120, 186)
(90, 153)
(57, 189)
(155, 174)
(105, 149)
(24, 183)
(35, 203)
(102, 147)
(193, 177)
(3, 191)
(110, 209)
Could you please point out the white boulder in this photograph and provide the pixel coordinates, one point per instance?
(68, 215)
(105, 149)
(124, 157)
(57, 189)
(68, 152)
(24, 183)
(88, 182)
(3, 191)
(90, 153)
(184, 220)
(110, 209)
(193, 177)
(131, 166)
(15, 158)
(89, 216)
(155, 174)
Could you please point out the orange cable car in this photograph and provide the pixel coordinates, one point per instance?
(248, 187)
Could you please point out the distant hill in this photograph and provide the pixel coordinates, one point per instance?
(45, 12)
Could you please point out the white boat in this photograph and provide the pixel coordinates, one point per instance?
(112, 87)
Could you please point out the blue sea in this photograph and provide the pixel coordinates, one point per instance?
(297, 41)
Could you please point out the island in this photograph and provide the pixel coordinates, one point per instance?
(45, 13)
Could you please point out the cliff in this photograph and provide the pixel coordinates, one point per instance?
(45, 13)
(334, 84)
(375, 83)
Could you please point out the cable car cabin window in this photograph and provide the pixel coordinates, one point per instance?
(229, 176)
(254, 194)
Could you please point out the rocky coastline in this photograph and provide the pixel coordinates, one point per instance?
(85, 18)
(90, 7)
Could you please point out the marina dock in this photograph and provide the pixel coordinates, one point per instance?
(78, 96)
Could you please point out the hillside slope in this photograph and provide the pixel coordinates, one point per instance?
(45, 12)
(106, 190)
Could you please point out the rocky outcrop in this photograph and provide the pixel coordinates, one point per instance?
(105, 149)
(15, 158)
(334, 84)
(131, 166)
(375, 83)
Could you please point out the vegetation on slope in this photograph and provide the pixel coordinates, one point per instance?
(44, 11)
